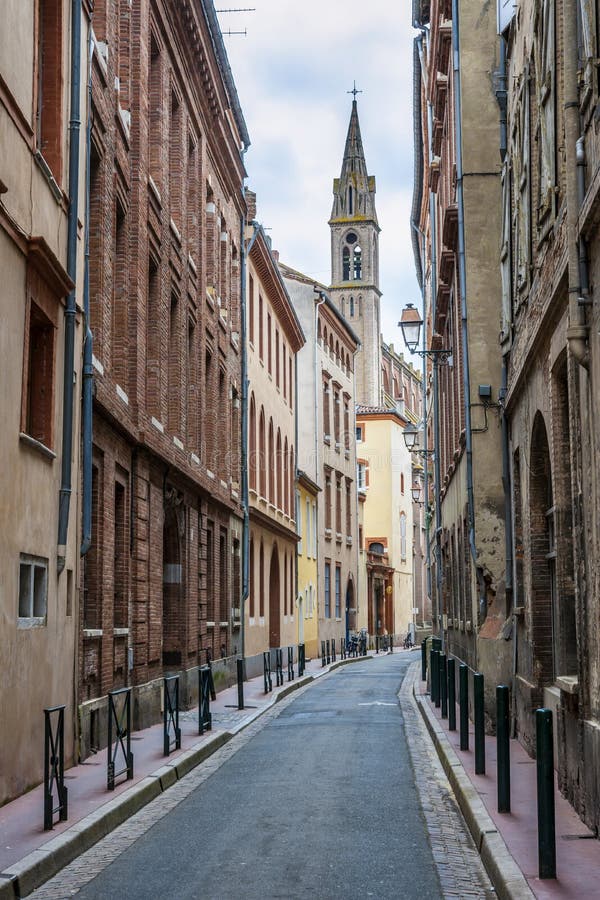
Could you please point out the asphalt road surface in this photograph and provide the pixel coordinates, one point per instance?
(320, 803)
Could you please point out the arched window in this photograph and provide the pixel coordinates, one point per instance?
(279, 465)
(337, 350)
(386, 380)
(292, 471)
(271, 494)
(351, 307)
(396, 388)
(357, 263)
(376, 547)
(261, 583)
(346, 264)
(252, 466)
(252, 582)
(286, 478)
(401, 482)
(262, 450)
(319, 331)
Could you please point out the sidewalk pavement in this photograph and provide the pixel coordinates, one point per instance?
(507, 842)
(29, 856)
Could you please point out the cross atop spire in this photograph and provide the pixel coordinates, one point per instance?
(354, 91)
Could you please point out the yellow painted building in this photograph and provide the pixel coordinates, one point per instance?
(384, 480)
(307, 597)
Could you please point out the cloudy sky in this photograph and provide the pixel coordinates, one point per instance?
(292, 72)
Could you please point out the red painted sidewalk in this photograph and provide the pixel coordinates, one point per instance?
(577, 851)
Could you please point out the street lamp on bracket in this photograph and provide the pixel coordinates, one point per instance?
(411, 439)
(410, 323)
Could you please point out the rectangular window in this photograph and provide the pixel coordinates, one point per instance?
(251, 311)
(174, 363)
(269, 347)
(338, 507)
(326, 419)
(299, 522)
(277, 357)
(39, 374)
(33, 588)
(308, 527)
(261, 348)
(338, 592)
(210, 574)
(361, 468)
(346, 424)
(50, 85)
(336, 417)
(314, 531)
(327, 590)
(284, 367)
(121, 549)
(155, 103)
(223, 593)
(348, 508)
(291, 384)
(328, 505)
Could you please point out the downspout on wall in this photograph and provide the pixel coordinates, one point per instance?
(88, 370)
(462, 279)
(577, 331)
(71, 305)
(245, 253)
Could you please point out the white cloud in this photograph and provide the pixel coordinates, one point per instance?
(292, 73)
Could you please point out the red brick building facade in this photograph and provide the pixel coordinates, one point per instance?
(166, 213)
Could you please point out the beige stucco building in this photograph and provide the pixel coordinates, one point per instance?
(384, 478)
(307, 499)
(41, 260)
(327, 448)
(274, 338)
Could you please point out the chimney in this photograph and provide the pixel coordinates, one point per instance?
(251, 204)
(276, 255)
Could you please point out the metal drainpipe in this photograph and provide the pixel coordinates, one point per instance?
(462, 278)
(318, 303)
(71, 306)
(436, 424)
(244, 428)
(88, 370)
(577, 331)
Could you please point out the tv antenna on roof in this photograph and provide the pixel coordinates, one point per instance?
(235, 10)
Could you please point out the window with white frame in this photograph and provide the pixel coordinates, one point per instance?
(33, 588)
(327, 590)
(362, 476)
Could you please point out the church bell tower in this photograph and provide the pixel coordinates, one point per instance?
(355, 260)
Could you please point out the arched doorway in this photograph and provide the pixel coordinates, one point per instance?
(350, 608)
(274, 600)
(172, 614)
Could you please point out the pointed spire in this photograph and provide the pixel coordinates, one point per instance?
(354, 155)
(354, 190)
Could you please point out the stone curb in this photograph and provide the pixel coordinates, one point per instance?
(28, 873)
(507, 878)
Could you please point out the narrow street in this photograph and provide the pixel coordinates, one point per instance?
(317, 798)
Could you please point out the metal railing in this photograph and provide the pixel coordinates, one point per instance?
(171, 729)
(267, 671)
(54, 766)
(206, 690)
(278, 666)
(119, 752)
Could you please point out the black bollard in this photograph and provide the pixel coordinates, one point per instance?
(424, 660)
(451, 694)
(463, 693)
(436, 677)
(240, 683)
(545, 794)
(444, 685)
(479, 722)
(433, 683)
(503, 747)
